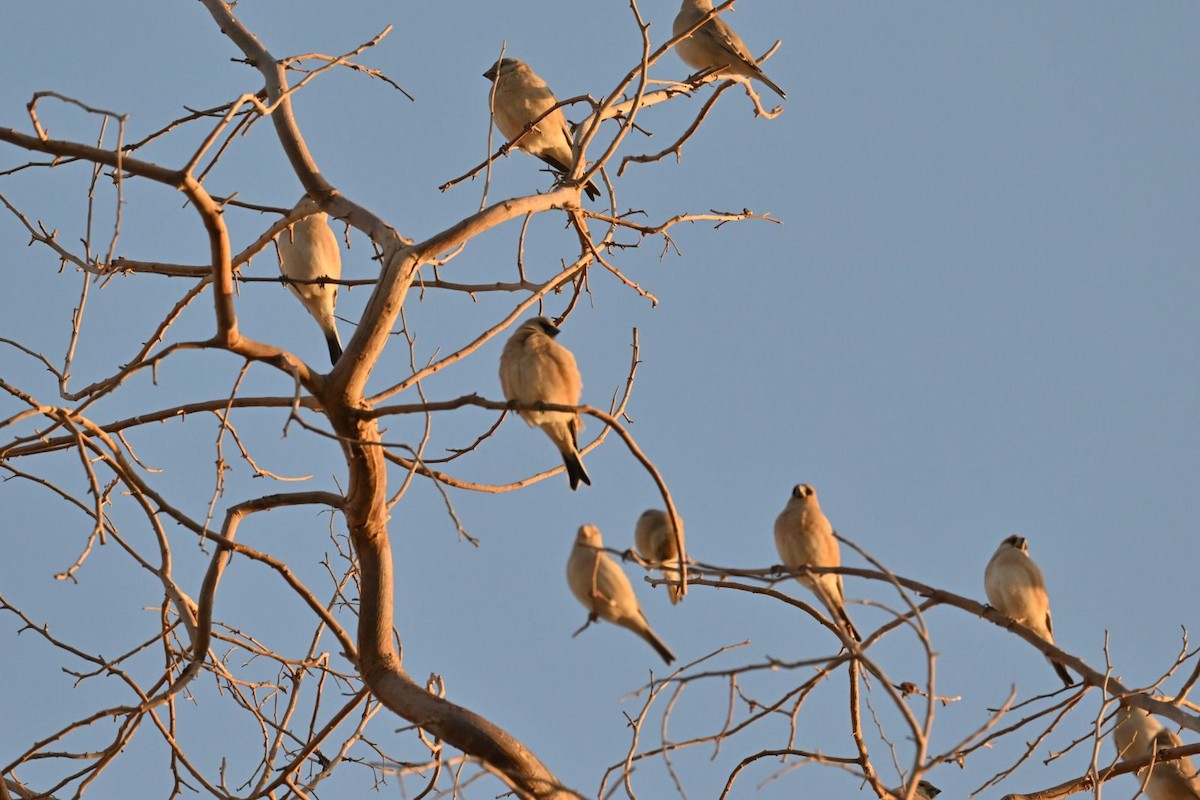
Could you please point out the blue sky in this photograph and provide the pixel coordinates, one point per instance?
(978, 318)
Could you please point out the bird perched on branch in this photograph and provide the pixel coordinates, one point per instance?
(520, 98)
(804, 537)
(925, 791)
(1137, 735)
(715, 48)
(536, 369)
(601, 585)
(1015, 587)
(655, 542)
(308, 250)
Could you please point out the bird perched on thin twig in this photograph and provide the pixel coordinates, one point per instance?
(602, 586)
(308, 250)
(925, 791)
(1137, 735)
(715, 48)
(520, 98)
(804, 537)
(1015, 587)
(536, 369)
(1134, 732)
(656, 543)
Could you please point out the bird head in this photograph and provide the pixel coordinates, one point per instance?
(1017, 542)
(543, 325)
(589, 536)
(503, 67)
(804, 491)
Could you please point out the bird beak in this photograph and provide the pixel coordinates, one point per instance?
(490, 74)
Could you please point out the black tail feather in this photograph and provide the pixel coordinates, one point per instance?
(850, 629)
(1063, 674)
(335, 347)
(575, 470)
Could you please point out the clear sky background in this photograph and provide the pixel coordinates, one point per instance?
(978, 318)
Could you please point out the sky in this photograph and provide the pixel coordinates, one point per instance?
(978, 317)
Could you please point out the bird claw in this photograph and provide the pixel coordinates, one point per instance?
(592, 617)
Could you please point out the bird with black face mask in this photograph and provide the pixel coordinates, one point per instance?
(520, 98)
(536, 369)
(804, 537)
(1015, 587)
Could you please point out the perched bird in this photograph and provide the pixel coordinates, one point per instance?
(521, 97)
(656, 543)
(1135, 736)
(1172, 780)
(925, 791)
(804, 537)
(1134, 732)
(715, 47)
(309, 250)
(1015, 587)
(536, 369)
(601, 585)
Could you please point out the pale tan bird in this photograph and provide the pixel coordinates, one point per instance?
(1172, 780)
(1135, 736)
(521, 97)
(925, 791)
(715, 48)
(601, 585)
(1015, 587)
(309, 250)
(1134, 732)
(536, 369)
(655, 543)
(804, 537)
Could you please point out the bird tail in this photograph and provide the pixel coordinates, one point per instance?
(674, 590)
(762, 76)
(657, 644)
(575, 470)
(335, 346)
(837, 608)
(563, 169)
(1062, 673)
(850, 629)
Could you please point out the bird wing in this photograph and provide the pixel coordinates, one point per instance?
(727, 39)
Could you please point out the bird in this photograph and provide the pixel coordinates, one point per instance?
(308, 250)
(1134, 731)
(536, 369)
(803, 536)
(656, 543)
(603, 588)
(520, 98)
(1172, 780)
(925, 791)
(1137, 735)
(1015, 587)
(715, 47)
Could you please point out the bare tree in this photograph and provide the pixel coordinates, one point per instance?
(314, 708)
